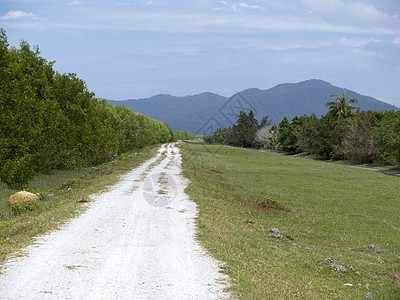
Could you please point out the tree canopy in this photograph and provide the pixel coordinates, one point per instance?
(50, 120)
(366, 136)
(341, 107)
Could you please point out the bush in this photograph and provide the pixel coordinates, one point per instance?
(24, 207)
(17, 174)
(358, 143)
(240, 134)
(266, 137)
(387, 136)
(55, 119)
(268, 203)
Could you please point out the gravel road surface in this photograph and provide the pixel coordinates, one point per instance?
(136, 241)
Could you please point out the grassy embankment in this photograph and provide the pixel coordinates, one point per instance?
(65, 195)
(328, 210)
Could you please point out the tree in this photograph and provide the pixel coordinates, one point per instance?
(313, 135)
(286, 138)
(52, 121)
(240, 134)
(266, 136)
(246, 127)
(341, 107)
(387, 137)
(265, 121)
(17, 173)
(359, 144)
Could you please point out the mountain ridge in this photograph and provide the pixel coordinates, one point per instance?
(206, 111)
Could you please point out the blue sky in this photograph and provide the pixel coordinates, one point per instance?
(133, 49)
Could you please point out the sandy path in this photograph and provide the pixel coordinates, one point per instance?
(134, 242)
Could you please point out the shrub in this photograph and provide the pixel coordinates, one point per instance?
(17, 173)
(387, 136)
(24, 206)
(358, 143)
(267, 137)
(268, 203)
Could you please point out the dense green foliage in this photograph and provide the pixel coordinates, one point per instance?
(241, 134)
(387, 137)
(50, 120)
(341, 107)
(366, 136)
(17, 173)
(182, 135)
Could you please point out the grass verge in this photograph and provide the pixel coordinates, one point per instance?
(65, 195)
(322, 210)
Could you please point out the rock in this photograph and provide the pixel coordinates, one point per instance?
(275, 233)
(336, 265)
(23, 196)
(339, 268)
(274, 230)
(333, 260)
(369, 248)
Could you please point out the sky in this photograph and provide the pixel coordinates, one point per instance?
(135, 49)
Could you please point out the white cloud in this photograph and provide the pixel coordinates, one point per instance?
(367, 13)
(352, 13)
(17, 14)
(356, 42)
(396, 40)
(321, 7)
(155, 3)
(204, 16)
(245, 5)
(237, 7)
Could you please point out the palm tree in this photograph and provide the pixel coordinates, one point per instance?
(341, 107)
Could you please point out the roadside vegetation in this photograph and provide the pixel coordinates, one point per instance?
(64, 195)
(60, 142)
(51, 121)
(182, 135)
(343, 133)
(327, 215)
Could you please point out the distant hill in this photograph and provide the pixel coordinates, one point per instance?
(180, 113)
(204, 112)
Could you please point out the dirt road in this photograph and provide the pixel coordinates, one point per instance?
(136, 241)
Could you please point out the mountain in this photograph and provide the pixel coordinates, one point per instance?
(180, 113)
(205, 112)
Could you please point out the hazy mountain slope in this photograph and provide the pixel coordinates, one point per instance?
(180, 113)
(193, 113)
(296, 99)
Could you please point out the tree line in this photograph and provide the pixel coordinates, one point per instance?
(182, 135)
(241, 134)
(343, 133)
(51, 121)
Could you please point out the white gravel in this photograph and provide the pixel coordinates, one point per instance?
(136, 241)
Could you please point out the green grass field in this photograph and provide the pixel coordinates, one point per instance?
(328, 210)
(63, 192)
